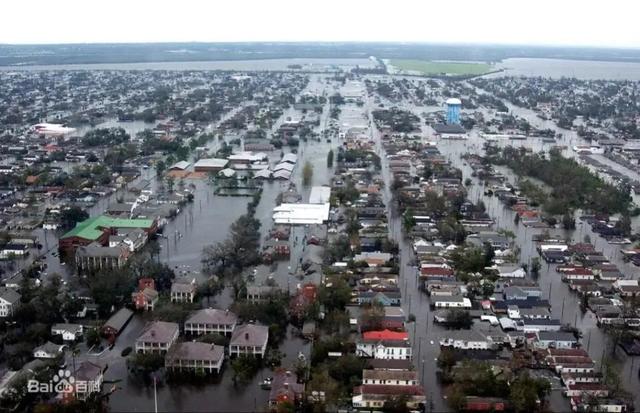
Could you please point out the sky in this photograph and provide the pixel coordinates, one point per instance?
(537, 22)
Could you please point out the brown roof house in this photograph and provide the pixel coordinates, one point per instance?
(157, 337)
(195, 356)
(211, 320)
(285, 389)
(249, 339)
(183, 291)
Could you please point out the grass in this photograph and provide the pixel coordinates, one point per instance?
(427, 67)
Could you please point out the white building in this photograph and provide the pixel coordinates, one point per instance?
(69, 332)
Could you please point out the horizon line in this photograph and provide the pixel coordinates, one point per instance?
(396, 42)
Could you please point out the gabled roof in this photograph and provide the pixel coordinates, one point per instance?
(9, 295)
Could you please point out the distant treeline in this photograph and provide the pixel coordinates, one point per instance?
(180, 52)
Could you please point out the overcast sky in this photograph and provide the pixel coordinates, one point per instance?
(540, 22)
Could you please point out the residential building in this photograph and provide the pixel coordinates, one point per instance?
(385, 344)
(9, 300)
(211, 320)
(88, 378)
(285, 389)
(390, 377)
(69, 332)
(48, 350)
(195, 356)
(455, 301)
(249, 339)
(374, 396)
(157, 337)
(555, 339)
(183, 291)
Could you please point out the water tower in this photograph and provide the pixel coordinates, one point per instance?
(453, 111)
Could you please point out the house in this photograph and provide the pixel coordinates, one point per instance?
(88, 378)
(285, 389)
(587, 389)
(259, 293)
(467, 340)
(183, 291)
(374, 396)
(9, 300)
(496, 240)
(249, 339)
(511, 271)
(627, 288)
(455, 301)
(48, 350)
(13, 250)
(390, 377)
(374, 259)
(145, 299)
(69, 332)
(384, 344)
(536, 325)
(211, 320)
(195, 356)
(157, 337)
(555, 339)
(385, 298)
(116, 323)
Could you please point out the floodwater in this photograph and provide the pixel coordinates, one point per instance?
(308, 64)
(557, 68)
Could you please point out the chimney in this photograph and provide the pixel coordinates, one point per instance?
(286, 385)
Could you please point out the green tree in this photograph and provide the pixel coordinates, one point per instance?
(330, 159)
(92, 337)
(568, 222)
(307, 174)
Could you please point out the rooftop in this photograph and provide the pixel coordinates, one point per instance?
(92, 228)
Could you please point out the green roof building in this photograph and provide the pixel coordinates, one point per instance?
(98, 229)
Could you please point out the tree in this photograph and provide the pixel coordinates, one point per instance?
(535, 267)
(160, 167)
(244, 368)
(330, 159)
(170, 183)
(396, 404)
(307, 174)
(568, 222)
(525, 391)
(69, 217)
(92, 337)
(624, 224)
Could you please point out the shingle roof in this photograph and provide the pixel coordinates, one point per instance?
(158, 332)
(10, 295)
(250, 335)
(195, 351)
(212, 316)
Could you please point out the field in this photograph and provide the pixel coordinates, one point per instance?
(427, 67)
